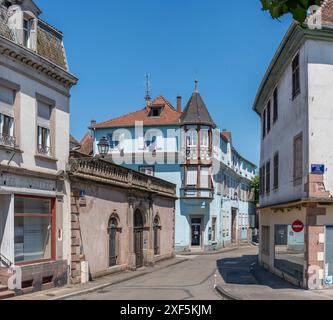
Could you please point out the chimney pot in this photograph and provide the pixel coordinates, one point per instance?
(179, 104)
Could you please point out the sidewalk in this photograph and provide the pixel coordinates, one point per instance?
(239, 283)
(98, 284)
(230, 248)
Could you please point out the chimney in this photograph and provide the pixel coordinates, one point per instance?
(92, 123)
(179, 104)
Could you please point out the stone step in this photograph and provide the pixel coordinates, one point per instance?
(6, 295)
(3, 288)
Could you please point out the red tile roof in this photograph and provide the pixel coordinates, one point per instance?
(226, 135)
(169, 116)
(87, 144)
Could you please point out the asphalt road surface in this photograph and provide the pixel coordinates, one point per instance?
(190, 280)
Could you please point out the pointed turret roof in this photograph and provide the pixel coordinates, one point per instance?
(196, 112)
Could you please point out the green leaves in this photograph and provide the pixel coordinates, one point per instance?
(298, 8)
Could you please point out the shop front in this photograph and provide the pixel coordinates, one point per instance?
(31, 233)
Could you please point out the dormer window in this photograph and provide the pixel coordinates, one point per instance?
(28, 30)
(155, 112)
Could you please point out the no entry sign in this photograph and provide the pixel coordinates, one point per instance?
(298, 226)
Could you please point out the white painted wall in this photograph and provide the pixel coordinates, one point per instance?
(320, 69)
(293, 119)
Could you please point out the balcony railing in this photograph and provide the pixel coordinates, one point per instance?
(197, 193)
(7, 140)
(193, 154)
(103, 171)
(44, 150)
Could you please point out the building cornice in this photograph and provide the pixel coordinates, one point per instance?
(36, 62)
(294, 38)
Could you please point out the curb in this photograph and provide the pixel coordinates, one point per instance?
(184, 254)
(105, 285)
(226, 294)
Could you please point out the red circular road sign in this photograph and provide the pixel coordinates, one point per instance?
(298, 226)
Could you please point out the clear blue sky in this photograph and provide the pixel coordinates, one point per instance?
(111, 44)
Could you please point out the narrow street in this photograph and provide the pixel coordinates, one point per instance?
(191, 280)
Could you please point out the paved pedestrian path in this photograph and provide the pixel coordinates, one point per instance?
(238, 282)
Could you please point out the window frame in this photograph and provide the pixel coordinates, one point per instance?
(268, 177)
(47, 125)
(296, 77)
(276, 171)
(275, 105)
(297, 177)
(53, 227)
(269, 117)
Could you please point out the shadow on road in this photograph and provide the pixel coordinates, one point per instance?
(237, 270)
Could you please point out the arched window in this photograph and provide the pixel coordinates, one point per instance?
(138, 219)
(157, 235)
(113, 231)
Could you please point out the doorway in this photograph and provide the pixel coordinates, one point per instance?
(138, 238)
(113, 243)
(196, 232)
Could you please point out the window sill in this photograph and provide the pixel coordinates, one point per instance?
(10, 149)
(44, 157)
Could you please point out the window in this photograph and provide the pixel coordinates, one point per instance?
(192, 176)
(262, 180)
(7, 97)
(33, 229)
(44, 129)
(213, 239)
(226, 186)
(275, 105)
(265, 240)
(153, 140)
(113, 231)
(296, 76)
(289, 251)
(204, 177)
(150, 171)
(276, 171)
(268, 177)
(192, 138)
(28, 29)
(204, 137)
(298, 159)
(269, 117)
(155, 112)
(116, 141)
(264, 124)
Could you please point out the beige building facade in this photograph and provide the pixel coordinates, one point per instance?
(35, 84)
(120, 219)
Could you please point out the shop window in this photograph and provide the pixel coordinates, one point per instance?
(33, 229)
(289, 251)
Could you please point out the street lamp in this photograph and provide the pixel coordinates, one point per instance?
(103, 147)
